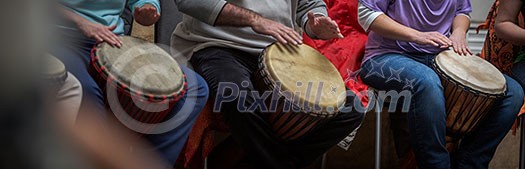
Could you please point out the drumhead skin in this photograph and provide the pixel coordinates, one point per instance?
(302, 71)
(472, 71)
(142, 66)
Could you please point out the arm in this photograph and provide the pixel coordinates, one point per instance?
(220, 13)
(313, 18)
(92, 30)
(145, 12)
(232, 15)
(506, 22)
(366, 16)
(460, 26)
(375, 20)
(459, 34)
(387, 27)
(236, 16)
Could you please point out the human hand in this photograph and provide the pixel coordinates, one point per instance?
(432, 38)
(277, 30)
(323, 27)
(100, 33)
(459, 43)
(146, 15)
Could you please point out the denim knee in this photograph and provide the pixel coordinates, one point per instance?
(514, 92)
(197, 86)
(202, 89)
(428, 83)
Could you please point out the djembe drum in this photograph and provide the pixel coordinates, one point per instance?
(308, 87)
(147, 80)
(471, 86)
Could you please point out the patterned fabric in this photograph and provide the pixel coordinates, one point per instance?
(500, 53)
(201, 139)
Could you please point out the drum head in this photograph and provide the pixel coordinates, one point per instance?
(472, 71)
(142, 66)
(306, 73)
(54, 68)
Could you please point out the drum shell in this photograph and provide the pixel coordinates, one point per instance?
(465, 107)
(133, 103)
(288, 125)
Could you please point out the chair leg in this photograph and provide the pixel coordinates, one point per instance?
(522, 144)
(205, 163)
(378, 137)
(323, 161)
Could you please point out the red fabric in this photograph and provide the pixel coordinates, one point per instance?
(201, 139)
(347, 53)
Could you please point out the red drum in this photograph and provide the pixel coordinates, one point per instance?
(147, 80)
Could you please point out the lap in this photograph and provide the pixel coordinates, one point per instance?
(397, 72)
(518, 73)
(218, 65)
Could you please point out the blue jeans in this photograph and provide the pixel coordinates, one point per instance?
(427, 115)
(75, 54)
(518, 73)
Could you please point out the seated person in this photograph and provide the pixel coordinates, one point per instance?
(507, 28)
(404, 38)
(87, 22)
(223, 41)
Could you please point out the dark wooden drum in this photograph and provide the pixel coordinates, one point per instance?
(309, 88)
(147, 80)
(471, 85)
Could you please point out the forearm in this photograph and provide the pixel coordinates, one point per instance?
(506, 22)
(72, 16)
(233, 15)
(318, 7)
(387, 27)
(461, 24)
(511, 33)
(206, 11)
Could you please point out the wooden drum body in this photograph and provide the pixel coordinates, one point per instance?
(471, 87)
(147, 80)
(308, 87)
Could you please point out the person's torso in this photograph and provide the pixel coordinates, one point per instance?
(105, 12)
(282, 11)
(421, 15)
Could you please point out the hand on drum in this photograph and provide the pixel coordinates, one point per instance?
(100, 33)
(323, 27)
(277, 30)
(432, 38)
(459, 43)
(146, 15)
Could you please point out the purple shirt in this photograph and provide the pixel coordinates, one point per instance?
(422, 15)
